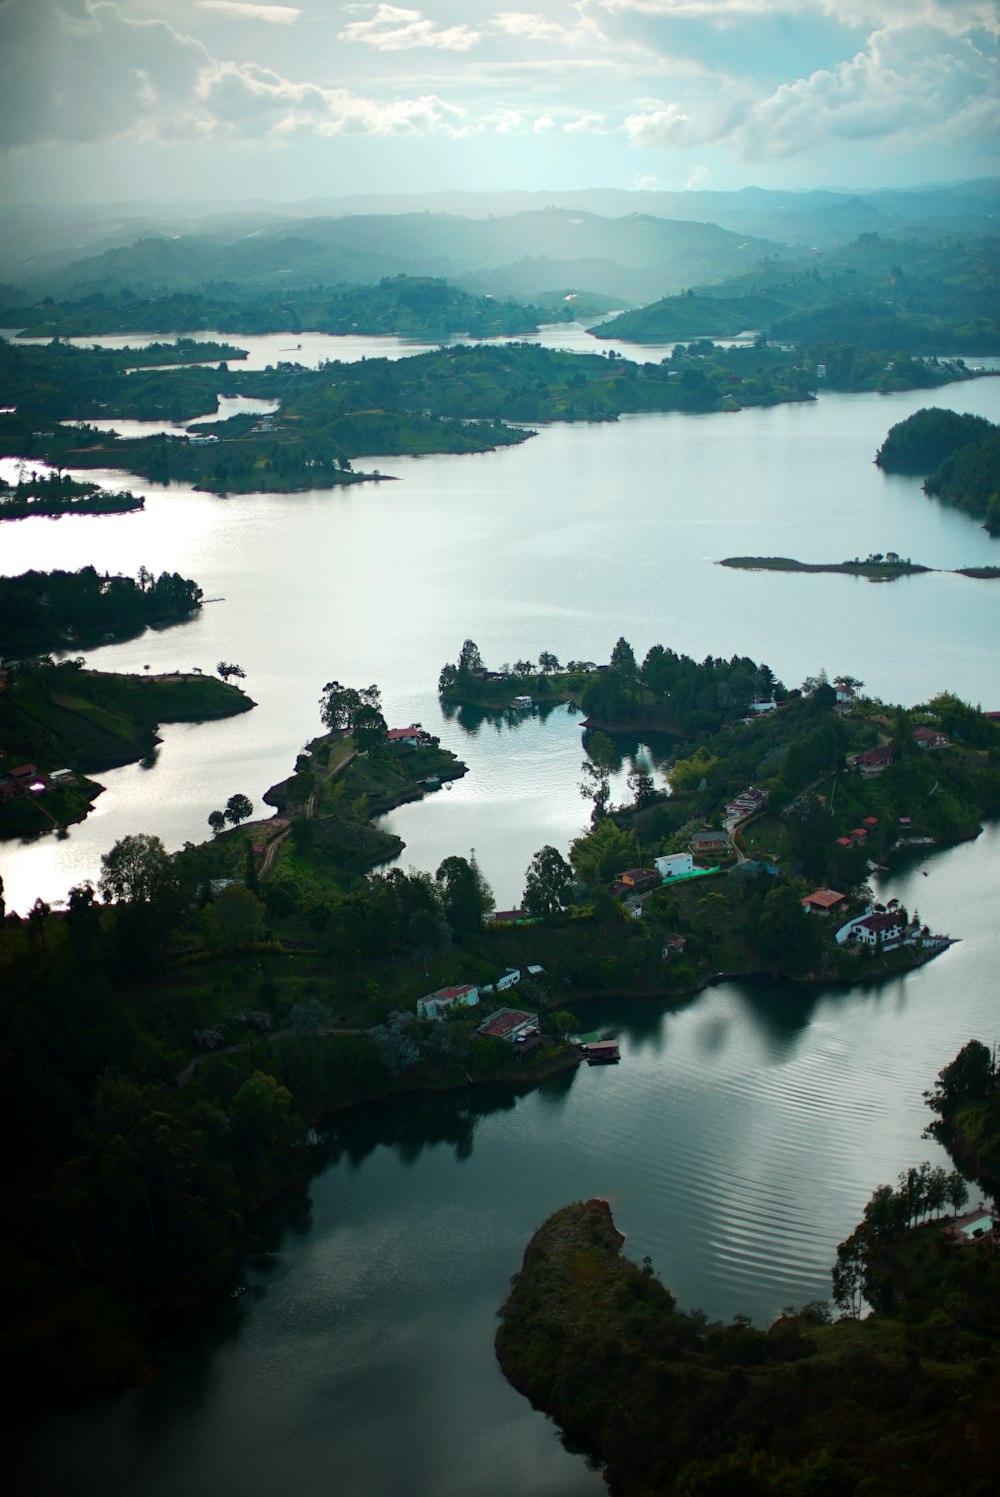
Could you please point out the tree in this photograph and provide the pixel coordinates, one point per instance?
(230, 672)
(623, 660)
(465, 895)
(595, 786)
(548, 662)
(310, 1017)
(786, 934)
(217, 821)
(602, 852)
(970, 1077)
(137, 870)
(238, 808)
(339, 705)
(470, 662)
(957, 1192)
(232, 920)
(643, 787)
(548, 884)
(369, 729)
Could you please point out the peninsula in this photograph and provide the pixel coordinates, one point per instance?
(673, 1403)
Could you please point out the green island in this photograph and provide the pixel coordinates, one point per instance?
(173, 1034)
(42, 611)
(876, 567)
(960, 454)
(879, 295)
(461, 399)
(901, 1401)
(61, 723)
(54, 494)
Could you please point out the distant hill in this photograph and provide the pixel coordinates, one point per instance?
(633, 258)
(877, 293)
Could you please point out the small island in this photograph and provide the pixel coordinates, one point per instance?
(877, 567)
(55, 494)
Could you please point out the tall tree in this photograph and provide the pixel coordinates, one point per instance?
(548, 884)
(239, 808)
(465, 894)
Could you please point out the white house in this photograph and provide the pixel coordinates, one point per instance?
(436, 1005)
(868, 930)
(522, 703)
(670, 864)
(511, 977)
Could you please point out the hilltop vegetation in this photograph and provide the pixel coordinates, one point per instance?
(937, 298)
(404, 305)
(42, 611)
(959, 453)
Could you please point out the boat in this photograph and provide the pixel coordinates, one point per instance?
(602, 1052)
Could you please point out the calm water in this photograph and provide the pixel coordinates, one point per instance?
(737, 1142)
(742, 1134)
(577, 536)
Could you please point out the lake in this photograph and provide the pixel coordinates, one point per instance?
(737, 1142)
(743, 1132)
(579, 535)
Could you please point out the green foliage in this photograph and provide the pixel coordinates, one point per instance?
(41, 610)
(548, 884)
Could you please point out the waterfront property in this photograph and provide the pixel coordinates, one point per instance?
(511, 977)
(928, 738)
(435, 1005)
(671, 864)
(888, 927)
(510, 1024)
(975, 1228)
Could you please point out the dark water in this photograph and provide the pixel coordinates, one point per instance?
(737, 1143)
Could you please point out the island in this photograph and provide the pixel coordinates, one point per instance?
(53, 494)
(61, 724)
(877, 567)
(669, 1402)
(960, 454)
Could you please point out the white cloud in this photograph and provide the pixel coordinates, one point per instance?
(699, 179)
(955, 17)
(590, 123)
(529, 26)
(392, 29)
(666, 126)
(242, 10)
(904, 89)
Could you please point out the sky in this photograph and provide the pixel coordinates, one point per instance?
(160, 100)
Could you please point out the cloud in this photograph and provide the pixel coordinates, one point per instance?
(394, 30)
(904, 89)
(955, 17)
(529, 26)
(666, 126)
(242, 10)
(77, 72)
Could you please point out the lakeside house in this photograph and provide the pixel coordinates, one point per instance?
(435, 1005)
(673, 944)
(671, 864)
(888, 928)
(506, 917)
(511, 1024)
(413, 736)
(929, 738)
(873, 761)
(975, 1229)
(824, 902)
(521, 703)
(746, 804)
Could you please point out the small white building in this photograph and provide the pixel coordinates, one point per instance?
(671, 864)
(511, 977)
(522, 704)
(436, 1005)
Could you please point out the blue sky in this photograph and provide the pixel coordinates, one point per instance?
(160, 99)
